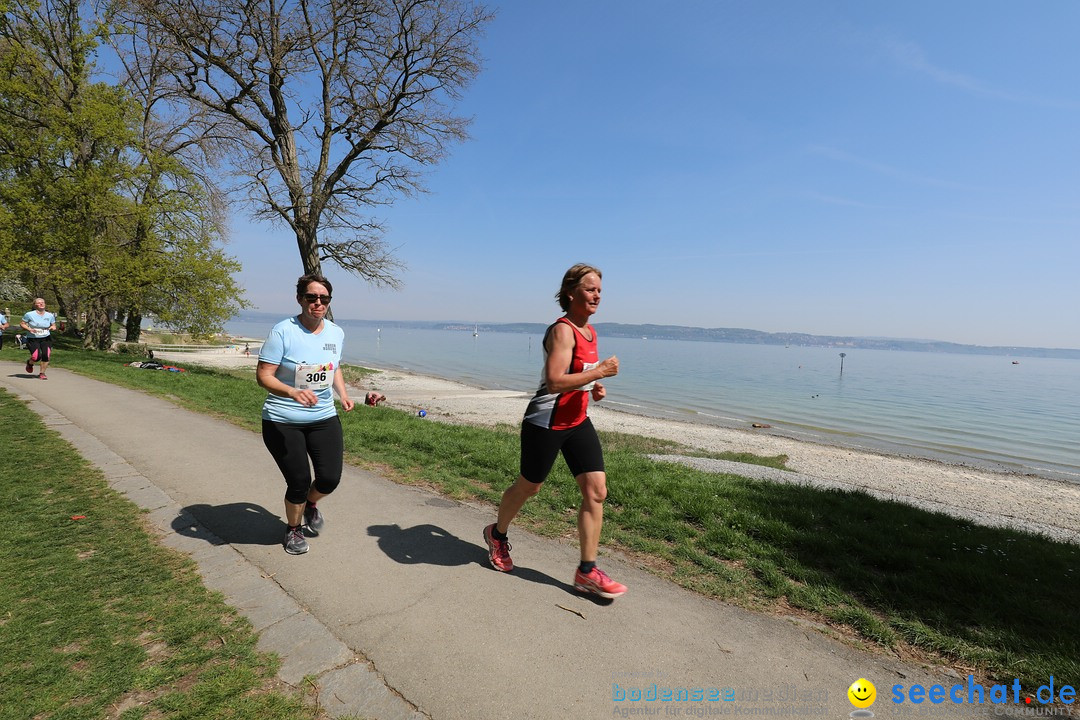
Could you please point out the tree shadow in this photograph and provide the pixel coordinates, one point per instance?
(432, 545)
(238, 523)
(920, 573)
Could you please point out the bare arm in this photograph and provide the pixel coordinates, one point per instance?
(264, 375)
(560, 352)
(339, 388)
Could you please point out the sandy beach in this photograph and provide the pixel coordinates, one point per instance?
(1045, 506)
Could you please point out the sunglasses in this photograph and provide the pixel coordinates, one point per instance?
(312, 297)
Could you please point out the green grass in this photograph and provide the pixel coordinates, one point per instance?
(96, 618)
(356, 375)
(992, 601)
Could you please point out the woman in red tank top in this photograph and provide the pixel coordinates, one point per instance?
(556, 420)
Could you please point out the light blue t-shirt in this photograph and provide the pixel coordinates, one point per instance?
(39, 322)
(3, 319)
(306, 360)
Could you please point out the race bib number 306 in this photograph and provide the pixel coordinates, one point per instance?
(585, 367)
(314, 377)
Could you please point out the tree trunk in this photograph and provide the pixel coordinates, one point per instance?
(62, 307)
(133, 326)
(67, 307)
(307, 242)
(97, 333)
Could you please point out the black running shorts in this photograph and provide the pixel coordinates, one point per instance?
(540, 447)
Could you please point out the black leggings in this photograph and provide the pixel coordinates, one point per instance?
(291, 445)
(40, 348)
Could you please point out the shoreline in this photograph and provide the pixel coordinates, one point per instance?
(781, 426)
(1038, 504)
(847, 441)
(1046, 506)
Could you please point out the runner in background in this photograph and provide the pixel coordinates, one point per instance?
(39, 325)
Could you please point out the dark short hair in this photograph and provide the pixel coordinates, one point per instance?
(307, 279)
(571, 280)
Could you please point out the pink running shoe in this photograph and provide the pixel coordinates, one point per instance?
(498, 551)
(597, 582)
(42, 376)
(30, 366)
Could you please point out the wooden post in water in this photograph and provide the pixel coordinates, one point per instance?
(842, 356)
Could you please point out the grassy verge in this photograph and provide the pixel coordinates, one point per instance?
(100, 621)
(994, 602)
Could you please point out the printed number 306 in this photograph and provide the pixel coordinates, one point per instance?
(316, 377)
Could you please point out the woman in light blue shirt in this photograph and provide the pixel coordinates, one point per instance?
(39, 324)
(300, 368)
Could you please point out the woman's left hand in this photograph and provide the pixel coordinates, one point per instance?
(598, 392)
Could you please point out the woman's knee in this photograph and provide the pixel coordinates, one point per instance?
(593, 486)
(526, 488)
(297, 493)
(326, 485)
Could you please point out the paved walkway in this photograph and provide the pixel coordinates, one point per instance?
(395, 612)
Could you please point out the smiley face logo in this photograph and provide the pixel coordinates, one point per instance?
(862, 693)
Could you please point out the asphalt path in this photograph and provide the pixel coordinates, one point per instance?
(395, 612)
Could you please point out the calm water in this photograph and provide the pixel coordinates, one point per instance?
(975, 409)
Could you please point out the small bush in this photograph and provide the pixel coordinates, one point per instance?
(137, 349)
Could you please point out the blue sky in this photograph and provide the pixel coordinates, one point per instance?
(845, 168)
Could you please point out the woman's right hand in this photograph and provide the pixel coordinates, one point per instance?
(609, 367)
(307, 398)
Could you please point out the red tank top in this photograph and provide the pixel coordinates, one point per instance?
(560, 411)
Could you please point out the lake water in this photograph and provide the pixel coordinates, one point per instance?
(977, 409)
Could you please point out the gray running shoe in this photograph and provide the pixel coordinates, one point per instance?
(295, 543)
(314, 520)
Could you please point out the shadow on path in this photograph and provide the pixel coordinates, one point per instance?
(235, 523)
(431, 545)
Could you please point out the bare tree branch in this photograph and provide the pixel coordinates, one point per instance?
(329, 108)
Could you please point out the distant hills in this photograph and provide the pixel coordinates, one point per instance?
(757, 337)
(729, 335)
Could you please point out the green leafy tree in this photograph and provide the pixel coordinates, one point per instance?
(181, 205)
(99, 212)
(184, 279)
(64, 137)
